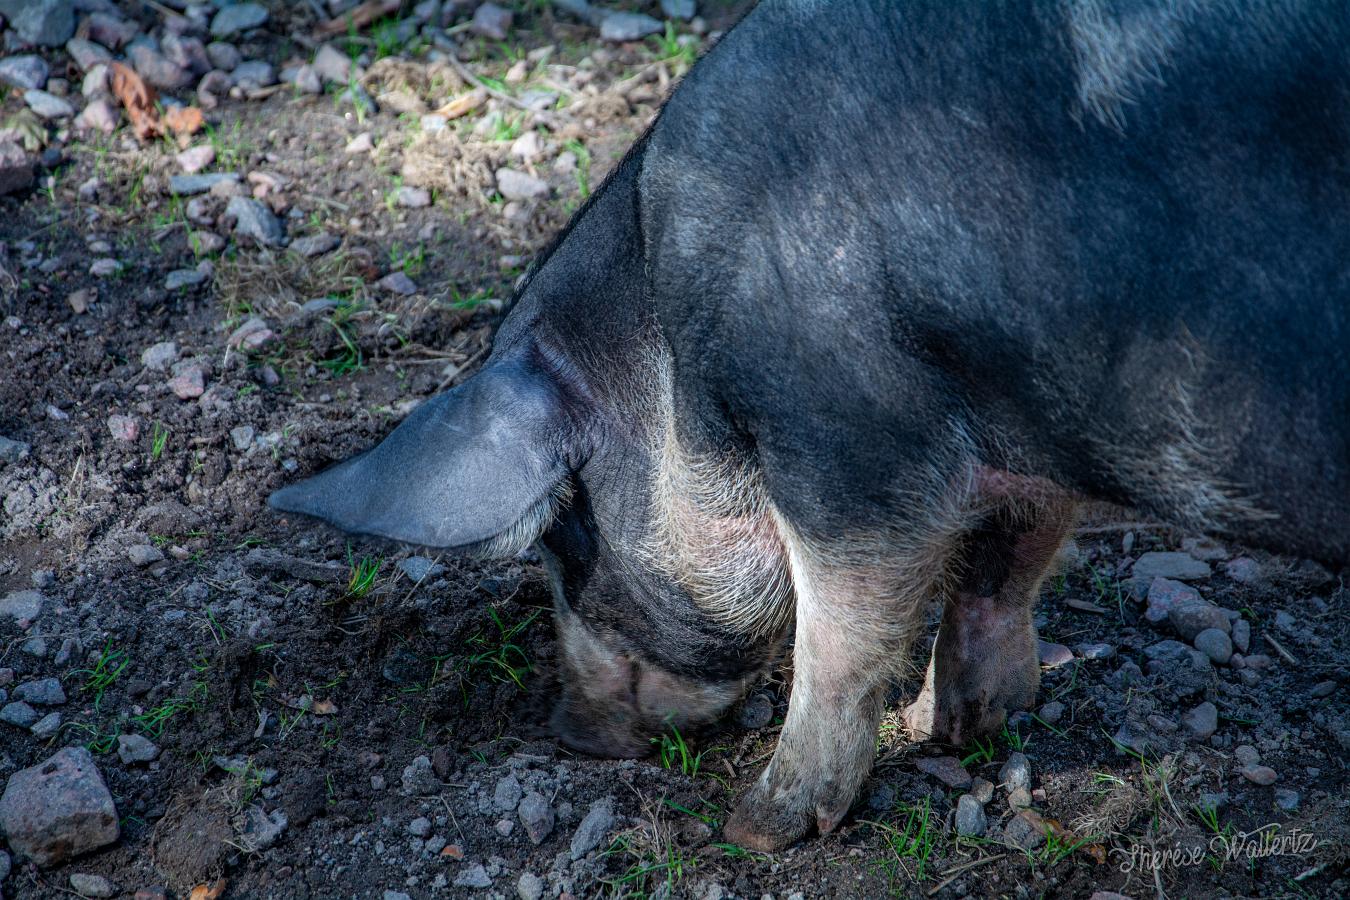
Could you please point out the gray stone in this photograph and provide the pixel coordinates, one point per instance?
(238, 17)
(87, 54)
(420, 827)
(537, 817)
(947, 769)
(20, 714)
(419, 568)
(113, 32)
(1261, 775)
(1286, 799)
(1202, 721)
(516, 185)
(1096, 651)
(1180, 566)
(593, 829)
(47, 22)
(254, 220)
(419, 777)
(627, 26)
(21, 606)
(1053, 656)
(87, 885)
(47, 726)
(756, 711)
(1242, 635)
(970, 818)
(332, 65)
(157, 70)
(144, 554)
(474, 876)
(254, 74)
(491, 20)
(186, 52)
(1243, 570)
(1025, 830)
(398, 283)
(315, 244)
(158, 357)
(194, 159)
(413, 197)
(1322, 689)
(1163, 594)
(223, 55)
(98, 115)
(1191, 617)
(48, 106)
(1246, 755)
(58, 809)
(530, 886)
(1215, 644)
(26, 72)
(133, 748)
(1016, 772)
(262, 829)
(242, 436)
(307, 80)
(982, 789)
(11, 451)
(183, 278)
(190, 185)
(41, 692)
(679, 9)
(507, 794)
(16, 168)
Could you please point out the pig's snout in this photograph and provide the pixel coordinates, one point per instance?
(595, 736)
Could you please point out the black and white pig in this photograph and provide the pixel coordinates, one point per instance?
(884, 290)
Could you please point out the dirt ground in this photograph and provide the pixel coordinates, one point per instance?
(339, 718)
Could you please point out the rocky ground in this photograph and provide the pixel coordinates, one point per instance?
(304, 233)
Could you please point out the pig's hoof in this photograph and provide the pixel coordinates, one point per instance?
(769, 819)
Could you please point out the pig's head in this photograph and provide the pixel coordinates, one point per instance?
(523, 454)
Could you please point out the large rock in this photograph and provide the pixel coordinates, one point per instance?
(58, 809)
(47, 22)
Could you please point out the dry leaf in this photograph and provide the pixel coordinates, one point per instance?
(138, 98)
(208, 892)
(184, 120)
(325, 708)
(462, 104)
(357, 18)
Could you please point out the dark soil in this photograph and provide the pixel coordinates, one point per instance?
(273, 680)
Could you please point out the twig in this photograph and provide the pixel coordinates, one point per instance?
(357, 18)
(477, 82)
(953, 874)
(1284, 654)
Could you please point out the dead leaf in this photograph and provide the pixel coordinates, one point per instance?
(184, 120)
(454, 851)
(325, 708)
(357, 18)
(205, 891)
(1097, 852)
(464, 103)
(138, 99)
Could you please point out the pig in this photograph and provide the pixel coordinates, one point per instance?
(885, 291)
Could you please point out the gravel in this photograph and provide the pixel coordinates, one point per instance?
(537, 816)
(1215, 644)
(1016, 772)
(87, 885)
(21, 606)
(238, 17)
(254, 220)
(1202, 721)
(134, 748)
(1172, 564)
(48, 106)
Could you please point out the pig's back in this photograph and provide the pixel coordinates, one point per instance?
(881, 216)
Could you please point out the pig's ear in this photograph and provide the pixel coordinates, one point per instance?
(482, 466)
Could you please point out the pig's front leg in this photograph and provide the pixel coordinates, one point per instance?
(854, 627)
